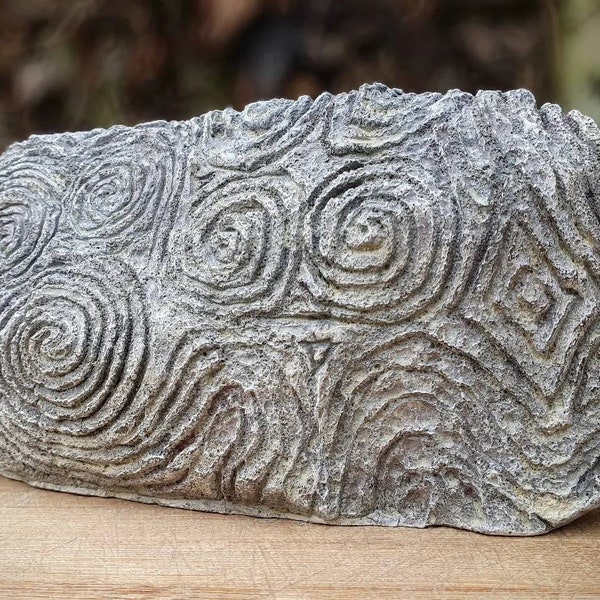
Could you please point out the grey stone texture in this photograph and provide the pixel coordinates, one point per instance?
(371, 308)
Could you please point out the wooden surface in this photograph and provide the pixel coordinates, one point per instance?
(55, 545)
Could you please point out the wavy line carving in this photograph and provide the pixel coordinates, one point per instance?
(256, 136)
(407, 422)
(238, 423)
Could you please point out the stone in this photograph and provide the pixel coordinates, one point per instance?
(372, 308)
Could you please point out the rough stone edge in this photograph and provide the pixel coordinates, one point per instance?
(79, 135)
(224, 507)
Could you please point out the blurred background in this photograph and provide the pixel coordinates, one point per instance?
(78, 64)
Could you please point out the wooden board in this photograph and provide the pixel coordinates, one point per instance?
(55, 545)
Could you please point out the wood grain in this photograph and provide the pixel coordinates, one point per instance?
(55, 545)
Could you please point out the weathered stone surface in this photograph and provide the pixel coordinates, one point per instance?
(375, 308)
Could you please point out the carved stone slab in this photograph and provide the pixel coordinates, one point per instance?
(373, 308)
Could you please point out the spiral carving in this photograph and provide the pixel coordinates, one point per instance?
(73, 352)
(30, 188)
(238, 245)
(126, 177)
(378, 244)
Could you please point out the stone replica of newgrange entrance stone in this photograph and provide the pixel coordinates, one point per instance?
(373, 308)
